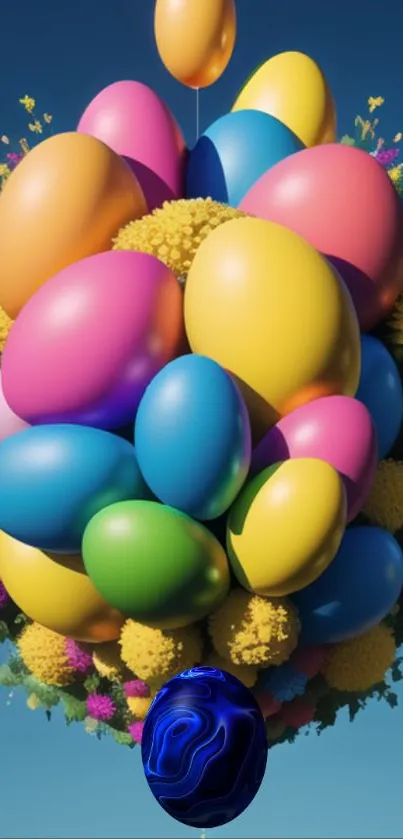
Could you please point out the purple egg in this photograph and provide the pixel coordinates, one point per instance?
(337, 429)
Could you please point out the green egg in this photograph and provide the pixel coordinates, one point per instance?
(155, 564)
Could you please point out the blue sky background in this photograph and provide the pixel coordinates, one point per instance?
(60, 782)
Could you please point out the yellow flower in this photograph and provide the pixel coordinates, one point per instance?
(47, 118)
(35, 127)
(361, 663)
(155, 655)
(107, 661)
(23, 144)
(5, 140)
(4, 170)
(384, 506)
(375, 102)
(44, 653)
(252, 630)
(33, 702)
(398, 137)
(28, 103)
(139, 706)
(174, 231)
(5, 326)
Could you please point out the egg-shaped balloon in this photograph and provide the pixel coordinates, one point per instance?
(195, 41)
(85, 347)
(56, 592)
(343, 202)
(380, 389)
(233, 153)
(66, 200)
(286, 525)
(132, 119)
(292, 87)
(9, 422)
(246, 307)
(155, 564)
(336, 429)
(54, 478)
(356, 592)
(193, 438)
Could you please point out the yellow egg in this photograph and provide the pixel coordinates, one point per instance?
(291, 87)
(65, 201)
(286, 526)
(56, 592)
(269, 308)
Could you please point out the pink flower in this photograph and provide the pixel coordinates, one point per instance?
(136, 731)
(136, 688)
(79, 659)
(4, 596)
(100, 707)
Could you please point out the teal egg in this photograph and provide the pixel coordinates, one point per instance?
(54, 478)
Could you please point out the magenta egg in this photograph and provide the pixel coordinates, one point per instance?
(341, 200)
(337, 429)
(86, 345)
(9, 422)
(130, 118)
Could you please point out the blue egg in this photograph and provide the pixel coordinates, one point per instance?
(192, 437)
(234, 152)
(357, 590)
(54, 478)
(380, 389)
(204, 747)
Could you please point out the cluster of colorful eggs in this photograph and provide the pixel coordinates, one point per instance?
(176, 453)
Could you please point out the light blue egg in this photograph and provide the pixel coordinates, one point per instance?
(380, 389)
(234, 152)
(54, 478)
(193, 438)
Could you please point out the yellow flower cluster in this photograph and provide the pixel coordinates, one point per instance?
(155, 655)
(5, 326)
(139, 705)
(394, 324)
(384, 506)
(174, 231)
(44, 653)
(361, 663)
(107, 661)
(246, 673)
(252, 630)
(35, 126)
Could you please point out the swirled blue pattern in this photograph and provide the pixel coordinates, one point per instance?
(204, 747)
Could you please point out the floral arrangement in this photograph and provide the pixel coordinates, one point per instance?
(109, 686)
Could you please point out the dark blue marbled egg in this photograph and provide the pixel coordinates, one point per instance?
(204, 747)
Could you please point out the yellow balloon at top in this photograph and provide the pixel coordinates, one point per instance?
(195, 38)
(263, 303)
(291, 87)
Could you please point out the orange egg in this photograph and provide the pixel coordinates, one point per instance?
(66, 200)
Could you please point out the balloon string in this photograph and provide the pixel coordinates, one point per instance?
(197, 114)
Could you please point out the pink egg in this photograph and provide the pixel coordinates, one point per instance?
(131, 119)
(87, 344)
(9, 422)
(341, 200)
(337, 429)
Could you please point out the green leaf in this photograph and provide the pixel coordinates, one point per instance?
(392, 700)
(347, 140)
(4, 632)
